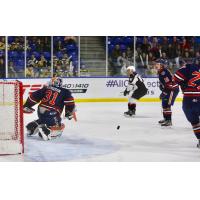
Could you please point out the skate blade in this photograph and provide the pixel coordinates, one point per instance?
(128, 116)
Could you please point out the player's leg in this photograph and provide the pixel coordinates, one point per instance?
(51, 125)
(32, 128)
(131, 107)
(167, 113)
(192, 113)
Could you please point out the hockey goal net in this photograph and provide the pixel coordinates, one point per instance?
(11, 118)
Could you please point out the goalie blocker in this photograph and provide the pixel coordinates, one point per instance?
(52, 100)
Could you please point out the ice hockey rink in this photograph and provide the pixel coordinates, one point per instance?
(94, 137)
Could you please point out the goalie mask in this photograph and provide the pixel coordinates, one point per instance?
(56, 81)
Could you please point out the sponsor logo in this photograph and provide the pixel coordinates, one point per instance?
(77, 88)
(117, 83)
(31, 88)
(151, 85)
(74, 88)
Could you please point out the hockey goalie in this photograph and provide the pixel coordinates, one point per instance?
(51, 100)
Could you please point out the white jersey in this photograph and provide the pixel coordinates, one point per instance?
(133, 83)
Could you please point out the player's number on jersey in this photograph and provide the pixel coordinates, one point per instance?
(50, 97)
(196, 78)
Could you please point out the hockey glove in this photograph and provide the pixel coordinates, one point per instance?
(126, 92)
(69, 115)
(163, 95)
(161, 87)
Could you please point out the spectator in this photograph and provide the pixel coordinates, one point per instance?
(30, 72)
(187, 58)
(185, 46)
(2, 43)
(11, 70)
(123, 60)
(145, 45)
(59, 46)
(165, 45)
(129, 53)
(32, 61)
(155, 50)
(47, 44)
(2, 68)
(42, 62)
(113, 60)
(70, 39)
(39, 45)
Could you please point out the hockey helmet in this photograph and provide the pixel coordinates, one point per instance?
(56, 81)
(161, 61)
(131, 68)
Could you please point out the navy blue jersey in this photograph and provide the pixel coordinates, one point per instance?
(52, 97)
(188, 77)
(167, 83)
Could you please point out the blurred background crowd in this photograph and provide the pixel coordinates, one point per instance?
(71, 56)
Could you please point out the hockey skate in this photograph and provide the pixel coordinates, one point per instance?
(167, 123)
(129, 113)
(161, 121)
(32, 128)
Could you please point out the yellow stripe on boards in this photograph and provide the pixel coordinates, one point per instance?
(119, 100)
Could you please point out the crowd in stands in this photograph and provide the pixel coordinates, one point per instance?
(148, 49)
(2, 57)
(172, 48)
(65, 56)
(16, 56)
(38, 56)
(120, 54)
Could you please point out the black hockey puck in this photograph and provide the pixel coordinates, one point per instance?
(118, 127)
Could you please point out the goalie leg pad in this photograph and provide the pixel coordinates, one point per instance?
(44, 132)
(32, 128)
(49, 133)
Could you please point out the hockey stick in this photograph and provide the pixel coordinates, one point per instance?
(74, 116)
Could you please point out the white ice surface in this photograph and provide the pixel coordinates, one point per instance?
(94, 137)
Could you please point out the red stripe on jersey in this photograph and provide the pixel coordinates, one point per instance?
(191, 95)
(177, 80)
(50, 107)
(197, 131)
(181, 75)
(68, 99)
(191, 90)
(68, 104)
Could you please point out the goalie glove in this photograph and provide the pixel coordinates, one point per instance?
(69, 115)
(28, 110)
(126, 92)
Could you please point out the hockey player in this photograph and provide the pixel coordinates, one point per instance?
(169, 91)
(52, 99)
(188, 77)
(135, 90)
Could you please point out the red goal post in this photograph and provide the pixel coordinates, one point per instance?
(11, 118)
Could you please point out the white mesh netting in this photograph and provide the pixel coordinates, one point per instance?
(10, 118)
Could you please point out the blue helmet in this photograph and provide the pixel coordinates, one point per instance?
(163, 62)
